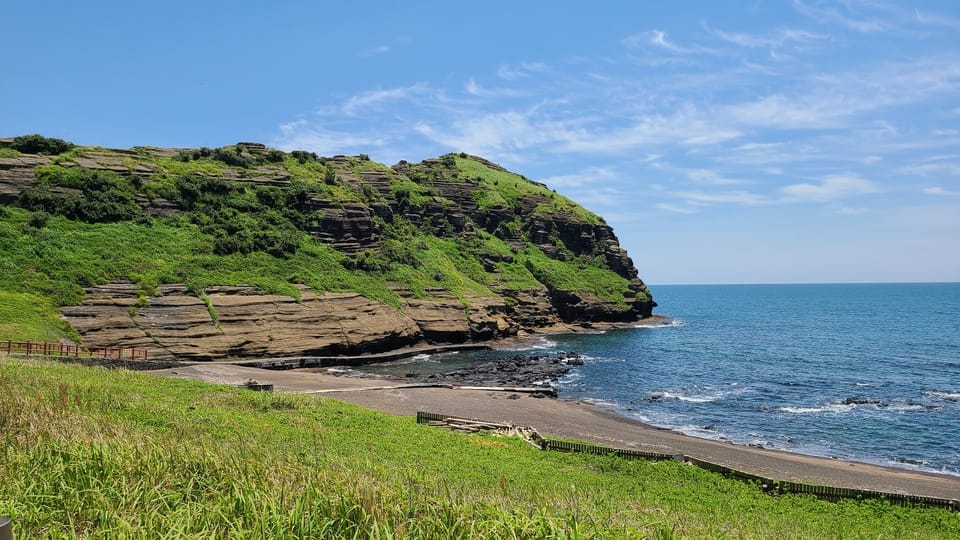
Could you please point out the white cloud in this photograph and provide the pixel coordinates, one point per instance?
(780, 111)
(832, 187)
(938, 165)
(936, 19)
(495, 133)
(589, 176)
(304, 135)
(780, 39)
(708, 177)
(473, 88)
(851, 211)
(658, 39)
(685, 126)
(833, 16)
(357, 103)
(731, 197)
(937, 190)
(524, 69)
(376, 51)
(667, 207)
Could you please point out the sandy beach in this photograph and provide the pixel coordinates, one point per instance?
(578, 420)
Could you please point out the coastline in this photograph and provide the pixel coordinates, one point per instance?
(295, 362)
(582, 421)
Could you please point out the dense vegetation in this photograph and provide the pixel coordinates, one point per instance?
(116, 454)
(79, 226)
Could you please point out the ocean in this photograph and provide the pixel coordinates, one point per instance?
(865, 372)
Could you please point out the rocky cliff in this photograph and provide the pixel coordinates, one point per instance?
(246, 251)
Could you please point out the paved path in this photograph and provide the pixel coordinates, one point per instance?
(577, 420)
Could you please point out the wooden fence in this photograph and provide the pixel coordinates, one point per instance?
(72, 350)
(768, 485)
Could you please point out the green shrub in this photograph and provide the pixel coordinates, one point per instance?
(302, 156)
(99, 196)
(38, 144)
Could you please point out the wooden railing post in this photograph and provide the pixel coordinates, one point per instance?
(72, 349)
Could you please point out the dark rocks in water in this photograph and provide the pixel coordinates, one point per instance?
(513, 371)
(861, 401)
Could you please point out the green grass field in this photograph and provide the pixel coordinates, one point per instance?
(90, 453)
(26, 317)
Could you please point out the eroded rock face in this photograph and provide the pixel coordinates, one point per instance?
(239, 322)
(16, 174)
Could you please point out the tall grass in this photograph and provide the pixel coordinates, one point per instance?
(27, 317)
(114, 454)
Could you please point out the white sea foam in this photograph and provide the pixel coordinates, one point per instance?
(701, 432)
(670, 323)
(338, 370)
(534, 344)
(946, 396)
(707, 396)
(835, 408)
(601, 403)
(415, 359)
(570, 378)
(691, 399)
(905, 407)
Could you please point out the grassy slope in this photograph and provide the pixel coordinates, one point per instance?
(116, 454)
(27, 317)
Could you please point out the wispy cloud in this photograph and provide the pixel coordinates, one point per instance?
(753, 130)
(932, 169)
(302, 134)
(673, 208)
(474, 88)
(939, 191)
(658, 39)
(740, 197)
(358, 103)
(685, 126)
(521, 70)
(785, 38)
(494, 133)
(832, 15)
(831, 187)
(852, 211)
(709, 177)
(589, 176)
(936, 19)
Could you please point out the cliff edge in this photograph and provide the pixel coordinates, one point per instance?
(247, 251)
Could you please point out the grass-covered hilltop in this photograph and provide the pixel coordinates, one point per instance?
(247, 251)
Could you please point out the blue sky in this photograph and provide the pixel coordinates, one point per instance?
(791, 141)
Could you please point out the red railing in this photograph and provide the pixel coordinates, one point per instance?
(71, 349)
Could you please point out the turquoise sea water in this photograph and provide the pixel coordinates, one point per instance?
(865, 372)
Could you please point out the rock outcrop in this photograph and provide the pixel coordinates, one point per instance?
(240, 322)
(435, 197)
